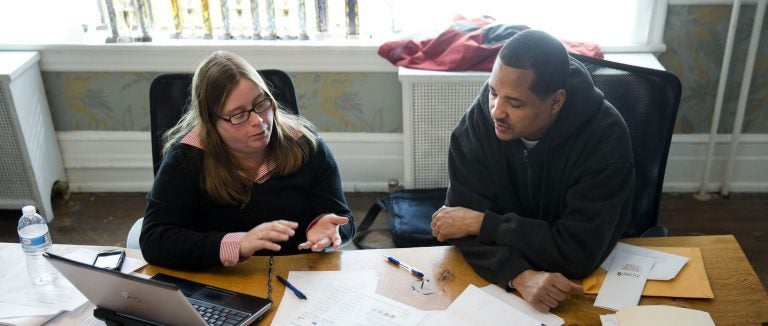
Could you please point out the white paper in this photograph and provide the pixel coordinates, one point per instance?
(18, 291)
(663, 315)
(665, 266)
(82, 316)
(545, 318)
(609, 320)
(349, 306)
(26, 321)
(20, 298)
(87, 256)
(624, 282)
(477, 307)
(315, 285)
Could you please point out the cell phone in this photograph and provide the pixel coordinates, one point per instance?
(110, 259)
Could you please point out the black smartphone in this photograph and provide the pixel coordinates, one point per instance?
(110, 259)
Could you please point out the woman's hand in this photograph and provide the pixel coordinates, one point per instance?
(266, 236)
(324, 232)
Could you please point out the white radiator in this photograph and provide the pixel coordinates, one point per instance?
(30, 159)
(433, 102)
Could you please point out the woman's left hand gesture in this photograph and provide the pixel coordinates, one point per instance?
(324, 232)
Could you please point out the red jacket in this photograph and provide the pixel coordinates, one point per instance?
(468, 45)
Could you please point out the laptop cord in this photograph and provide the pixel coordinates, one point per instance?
(269, 278)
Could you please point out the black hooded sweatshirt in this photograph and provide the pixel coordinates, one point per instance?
(560, 206)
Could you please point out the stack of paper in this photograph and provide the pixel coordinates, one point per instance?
(345, 298)
(658, 316)
(341, 298)
(665, 265)
(490, 306)
(22, 303)
(629, 267)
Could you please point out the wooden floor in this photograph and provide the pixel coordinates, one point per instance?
(105, 218)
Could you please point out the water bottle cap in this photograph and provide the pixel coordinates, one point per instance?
(28, 210)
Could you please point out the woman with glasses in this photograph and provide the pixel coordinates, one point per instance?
(241, 177)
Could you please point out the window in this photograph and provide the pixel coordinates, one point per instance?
(606, 22)
(45, 21)
(601, 21)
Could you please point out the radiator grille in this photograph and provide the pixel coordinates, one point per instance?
(14, 180)
(29, 151)
(436, 108)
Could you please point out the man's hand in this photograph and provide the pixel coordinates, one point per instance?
(324, 232)
(544, 290)
(455, 222)
(266, 236)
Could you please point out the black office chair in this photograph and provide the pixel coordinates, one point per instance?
(169, 99)
(648, 100)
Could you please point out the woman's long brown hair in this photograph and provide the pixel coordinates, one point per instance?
(224, 177)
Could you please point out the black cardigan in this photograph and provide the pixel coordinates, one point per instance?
(183, 226)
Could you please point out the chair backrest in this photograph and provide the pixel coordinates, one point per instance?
(648, 100)
(169, 98)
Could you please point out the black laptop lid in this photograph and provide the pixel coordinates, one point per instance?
(211, 294)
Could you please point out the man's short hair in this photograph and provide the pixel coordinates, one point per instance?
(542, 53)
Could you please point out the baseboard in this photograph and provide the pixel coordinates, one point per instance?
(685, 166)
(104, 161)
(120, 161)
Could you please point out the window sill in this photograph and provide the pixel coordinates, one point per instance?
(647, 60)
(179, 56)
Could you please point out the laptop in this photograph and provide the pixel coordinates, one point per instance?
(163, 299)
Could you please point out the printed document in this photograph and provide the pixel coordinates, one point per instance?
(661, 315)
(345, 305)
(665, 265)
(476, 307)
(624, 282)
(19, 299)
(315, 284)
(546, 318)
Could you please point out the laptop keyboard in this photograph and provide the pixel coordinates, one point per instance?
(217, 315)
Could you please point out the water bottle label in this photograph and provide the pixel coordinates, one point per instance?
(34, 242)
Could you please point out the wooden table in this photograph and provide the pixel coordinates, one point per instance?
(740, 298)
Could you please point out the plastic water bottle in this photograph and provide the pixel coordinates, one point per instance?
(35, 240)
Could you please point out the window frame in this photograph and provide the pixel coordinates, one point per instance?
(342, 55)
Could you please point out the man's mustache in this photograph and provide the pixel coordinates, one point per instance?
(501, 122)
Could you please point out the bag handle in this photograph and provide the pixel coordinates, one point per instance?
(370, 217)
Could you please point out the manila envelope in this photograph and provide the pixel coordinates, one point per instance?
(690, 282)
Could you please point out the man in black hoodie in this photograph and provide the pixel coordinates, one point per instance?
(541, 174)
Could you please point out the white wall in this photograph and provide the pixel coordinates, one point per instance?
(97, 161)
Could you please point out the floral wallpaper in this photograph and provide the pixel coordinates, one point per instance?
(98, 100)
(353, 102)
(695, 37)
(119, 101)
(371, 102)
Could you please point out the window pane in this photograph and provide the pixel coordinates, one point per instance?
(601, 21)
(31, 21)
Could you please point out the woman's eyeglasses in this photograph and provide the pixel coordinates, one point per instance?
(260, 107)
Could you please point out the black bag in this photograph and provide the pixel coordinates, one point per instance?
(410, 215)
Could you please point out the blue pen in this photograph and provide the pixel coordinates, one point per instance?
(413, 271)
(293, 288)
